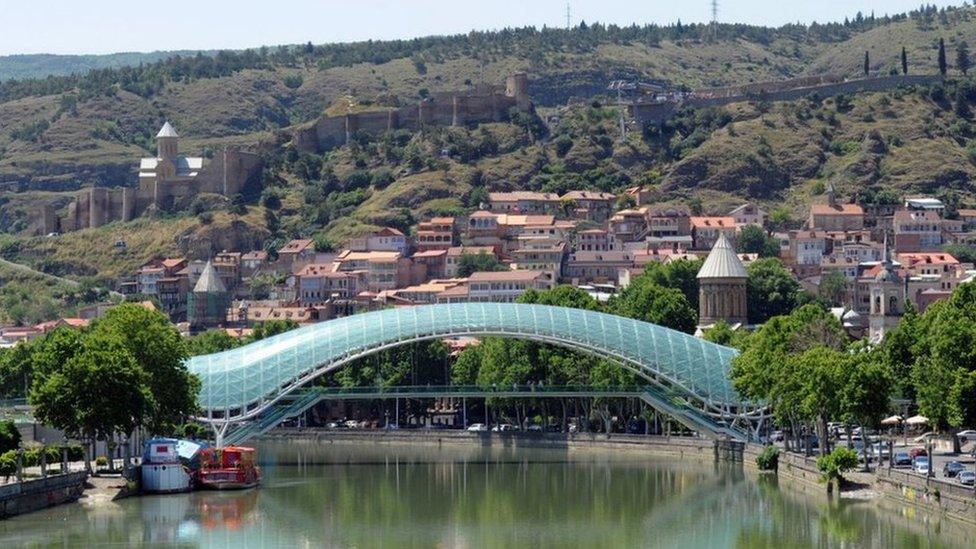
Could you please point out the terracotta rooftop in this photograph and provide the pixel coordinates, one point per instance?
(713, 222)
(840, 209)
(296, 246)
(504, 276)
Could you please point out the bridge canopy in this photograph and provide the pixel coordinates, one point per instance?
(242, 381)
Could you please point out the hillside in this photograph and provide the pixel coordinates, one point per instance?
(19, 67)
(61, 134)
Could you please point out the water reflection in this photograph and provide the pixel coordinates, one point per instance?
(386, 496)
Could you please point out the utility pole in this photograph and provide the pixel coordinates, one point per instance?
(568, 16)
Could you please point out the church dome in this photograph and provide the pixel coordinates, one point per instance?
(722, 261)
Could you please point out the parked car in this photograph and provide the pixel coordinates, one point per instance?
(478, 428)
(915, 452)
(535, 428)
(953, 468)
(967, 478)
(922, 465)
(504, 428)
(902, 459)
(778, 436)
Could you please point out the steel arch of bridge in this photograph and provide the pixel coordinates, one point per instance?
(242, 383)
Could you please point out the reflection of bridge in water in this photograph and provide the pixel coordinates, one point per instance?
(259, 385)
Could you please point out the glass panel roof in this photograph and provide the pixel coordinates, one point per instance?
(259, 372)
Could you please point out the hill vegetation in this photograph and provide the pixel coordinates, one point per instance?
(65, 132)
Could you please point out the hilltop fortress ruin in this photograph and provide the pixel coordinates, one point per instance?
(165, 181)
(456, 108)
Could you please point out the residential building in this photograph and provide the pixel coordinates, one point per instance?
(917, 230)
(296, 254)
(541, 255)
(596, 266)
(595, 240)
(506, 286)
(834, 216)
(385, 270)
(386, 239)
(706, 230)
(590, 205)
(252, 262)
(668, 222)
(318, 283)
(629, 225)
(440, 233)
(749, 214)
(524, 202)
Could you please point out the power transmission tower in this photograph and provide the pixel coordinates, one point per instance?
(714, 19)
(568, 16)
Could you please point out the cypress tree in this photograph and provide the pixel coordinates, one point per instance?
(962, 57)
(943, 67)
(867, 64)
(904, 61)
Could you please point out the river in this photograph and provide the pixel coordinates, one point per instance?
(379, 495)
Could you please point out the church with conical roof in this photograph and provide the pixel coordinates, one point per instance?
(722, 286)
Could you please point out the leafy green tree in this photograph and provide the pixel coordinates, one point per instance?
(962, 57)
(161, 352)
(476, 263)
(211, 341)
(270, 328)
(679, 275)
(723, 334)
(645, 300)
(770, 291)
(753, 239)
(98, 392)
(563, 295)
(904, 61)
(833, 287)
(833, 465)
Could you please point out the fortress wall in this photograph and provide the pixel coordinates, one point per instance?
(98, 206)
(438, 114)
(330, 131)
(240, 166)
(372, 122)
(660, 112)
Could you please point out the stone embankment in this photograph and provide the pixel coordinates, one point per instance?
(32, 495)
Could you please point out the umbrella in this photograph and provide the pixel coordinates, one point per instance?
(893, 420)
(917, 420)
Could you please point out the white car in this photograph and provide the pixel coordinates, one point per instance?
(478, 428)
(922, 465)
(504, 428)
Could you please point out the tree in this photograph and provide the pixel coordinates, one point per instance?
(943, 65)
(270, 328)
(962, 57)
(904, 61)
(770, 291)
(211, 341)
(160, 351)
(645, 300)
(723, 334)
(680, 275)
(833, 466)
(867, 63)
(99, 392)
(753, 239)
(476, 263)
(833, 287)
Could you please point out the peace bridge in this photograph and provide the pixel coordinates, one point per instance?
(248, 390)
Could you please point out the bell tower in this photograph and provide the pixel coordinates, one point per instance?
(167, 146)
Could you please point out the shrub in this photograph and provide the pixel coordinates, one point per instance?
(101, 461)
(294, 81)
(9, 436)
(8, 465)
(768, 459)
(835, 464)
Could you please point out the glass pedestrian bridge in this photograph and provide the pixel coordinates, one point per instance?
(242, 384)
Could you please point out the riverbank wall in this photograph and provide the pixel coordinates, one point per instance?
(32, 495)
(931, 494)
(679, 447)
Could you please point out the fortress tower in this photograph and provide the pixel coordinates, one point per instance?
(722, 286)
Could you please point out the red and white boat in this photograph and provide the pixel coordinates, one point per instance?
(230, 468)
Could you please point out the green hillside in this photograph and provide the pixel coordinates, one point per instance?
(63, 133)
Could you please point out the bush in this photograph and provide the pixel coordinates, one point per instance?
(768, 459)
(101, 461)
(835, 464)
(9, 436)
(294, 81)
(8, 465)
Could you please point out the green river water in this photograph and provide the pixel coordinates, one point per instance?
(382, 495)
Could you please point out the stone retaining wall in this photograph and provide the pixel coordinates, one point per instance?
(32, 495)
(934, 494)
(683, 447)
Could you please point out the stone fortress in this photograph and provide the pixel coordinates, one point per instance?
(165, 181)
(456, 108)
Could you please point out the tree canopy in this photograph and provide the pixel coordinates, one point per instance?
(771, 290)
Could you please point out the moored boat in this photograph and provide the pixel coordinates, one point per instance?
(169, 465)
(230, 468)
